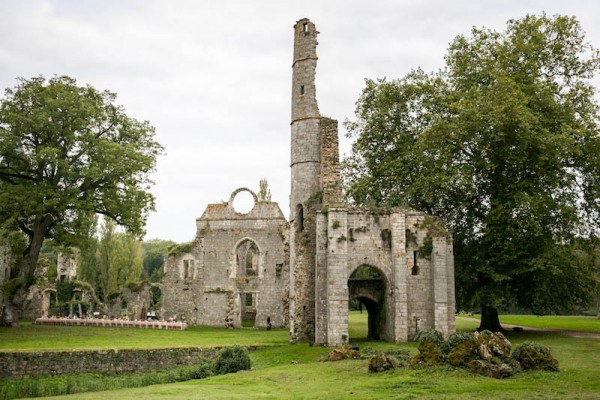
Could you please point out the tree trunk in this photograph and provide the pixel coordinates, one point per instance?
(490, 320)
(25, 277)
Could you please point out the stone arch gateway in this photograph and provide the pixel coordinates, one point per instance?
(300, 274)
(336, 238)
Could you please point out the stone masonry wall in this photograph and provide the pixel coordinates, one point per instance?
(389, 241)
(217, 281)
(15, 365)
(330, 163)
(306, 191)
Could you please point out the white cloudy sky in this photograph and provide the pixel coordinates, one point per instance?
(214, 77)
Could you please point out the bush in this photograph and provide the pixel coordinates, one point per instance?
(535, 356)
(200, 371)
(231, 359)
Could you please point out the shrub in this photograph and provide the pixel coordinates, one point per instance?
(231, 359)
(535, 356)
(200, 371)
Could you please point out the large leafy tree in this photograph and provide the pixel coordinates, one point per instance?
(67, 152)
(503, 144)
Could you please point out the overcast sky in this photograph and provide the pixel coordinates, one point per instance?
(214, 77)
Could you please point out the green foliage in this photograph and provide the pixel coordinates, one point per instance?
(181, 248)
(426, 249)
(366, 272)
(81, 383)
(264, 193)
(120, 259)
(68, 153)
(231, 359)
(503, 145)
(154, 251)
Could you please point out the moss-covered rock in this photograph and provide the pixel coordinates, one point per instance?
(431, 347)
(381, 362)
(462, 349)
(535, 356)
(342, 353)
(492, 344)
(490, 369)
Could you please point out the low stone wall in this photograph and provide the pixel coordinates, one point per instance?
(25, 365)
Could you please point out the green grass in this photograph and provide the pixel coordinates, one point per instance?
(575, 323)
(56, 338)
(275, 376)
(294, 371)
(556, 322)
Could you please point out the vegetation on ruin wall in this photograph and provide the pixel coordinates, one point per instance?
(181, 248)
(505, 151)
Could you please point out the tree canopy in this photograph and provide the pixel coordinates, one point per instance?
(67, 153)
(503, 144)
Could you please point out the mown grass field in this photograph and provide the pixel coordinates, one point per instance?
(56, 338)
(294, 371)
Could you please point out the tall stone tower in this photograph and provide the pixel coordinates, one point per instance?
(305, 196)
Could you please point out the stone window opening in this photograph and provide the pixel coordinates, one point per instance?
(299, 218)
(247, 258)
(188, 266)
(278, 269)
(249, 302)
(305, 27)
(415, 267)
(302, 89)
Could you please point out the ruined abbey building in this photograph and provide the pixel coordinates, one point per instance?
(254, 267)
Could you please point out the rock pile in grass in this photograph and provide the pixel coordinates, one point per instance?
(485, 353)
(342, 353)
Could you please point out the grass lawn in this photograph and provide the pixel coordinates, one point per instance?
(275, 376)
(294, 371)
(574, 323)
(55, 338)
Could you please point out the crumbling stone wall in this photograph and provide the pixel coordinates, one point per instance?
(66, 267)
(234, 258)
(306, 193)
(389, 241)
(329, 240)
(14, 365)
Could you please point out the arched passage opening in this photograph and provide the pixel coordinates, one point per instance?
(366, 288)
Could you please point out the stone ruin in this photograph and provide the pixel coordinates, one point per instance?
(254, 266)
(236, 268)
